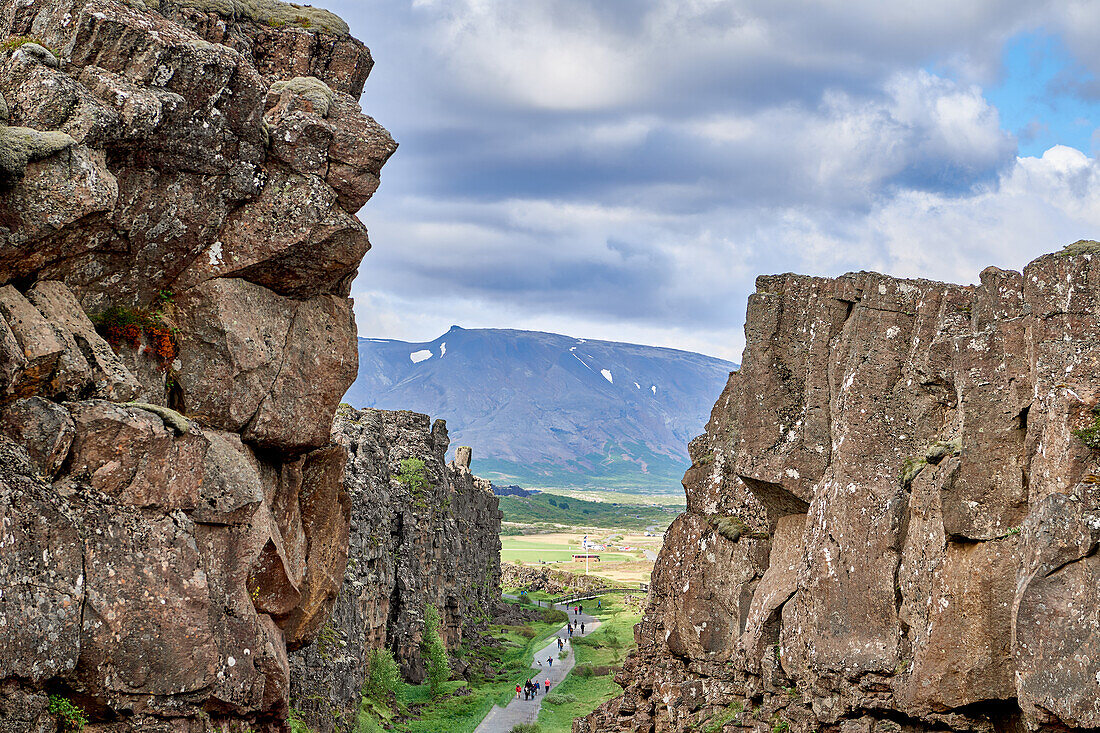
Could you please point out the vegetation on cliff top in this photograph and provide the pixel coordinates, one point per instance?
(268, 12)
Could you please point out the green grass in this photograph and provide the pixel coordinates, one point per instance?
(607, 646)
(550, 509)
(451, 714)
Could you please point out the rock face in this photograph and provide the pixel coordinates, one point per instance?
(548, 580)
(892, 524)
(173, 517)
(412, 544)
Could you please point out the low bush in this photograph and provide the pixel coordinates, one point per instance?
(383, 675)
(71, 717)
(556, 698)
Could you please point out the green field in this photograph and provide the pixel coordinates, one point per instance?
(550, 510)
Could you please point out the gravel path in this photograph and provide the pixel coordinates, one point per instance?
(518, 710)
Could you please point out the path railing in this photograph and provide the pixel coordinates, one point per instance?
(584, 596)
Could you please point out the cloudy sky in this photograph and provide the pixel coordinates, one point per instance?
(623, 169)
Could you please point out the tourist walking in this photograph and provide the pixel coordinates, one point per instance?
(517, 691)
(560, 645)
(550, 661)
(547, 685)
(582, 628)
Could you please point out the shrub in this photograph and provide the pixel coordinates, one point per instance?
(554, 616)
(560, 698)
(413, 477)
(439, 668)
(119, 325)
(1090, 435)
(383, 676)
(526, 728)
(70, 716)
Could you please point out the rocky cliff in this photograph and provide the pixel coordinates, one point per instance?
(893, 516)
(418, 537)
(178, 188)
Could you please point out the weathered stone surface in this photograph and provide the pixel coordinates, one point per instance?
(37, 341)
(41, 574)
(548, 580)
(157, 558)
(242, 367)
(326, 520)
(42, 427)
(130, 455)
(408, 548)
(911, 451)
(107, 376)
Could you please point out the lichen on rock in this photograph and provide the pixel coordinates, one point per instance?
(22, 145)
(310, 88)
(173, 509)
(916, 460)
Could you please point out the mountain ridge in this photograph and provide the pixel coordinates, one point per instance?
(550, 410)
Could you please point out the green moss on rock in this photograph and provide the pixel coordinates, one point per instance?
(1081, 247)
(312, 89)
(21, 145)
(942, 449)
(732, 528)
(270, 12)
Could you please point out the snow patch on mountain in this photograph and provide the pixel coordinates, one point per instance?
(418, 356)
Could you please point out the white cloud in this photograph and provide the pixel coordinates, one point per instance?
(623, 169)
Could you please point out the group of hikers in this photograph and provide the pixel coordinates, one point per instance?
(530, 689)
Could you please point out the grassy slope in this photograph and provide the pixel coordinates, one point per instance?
(538, 509)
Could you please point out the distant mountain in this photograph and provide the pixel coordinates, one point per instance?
(546, 410)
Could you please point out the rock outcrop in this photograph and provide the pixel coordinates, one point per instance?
(172, 513)
(548, 580)
(893, 517)
(414, 542)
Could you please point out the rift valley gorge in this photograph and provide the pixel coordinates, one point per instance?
(892, 518)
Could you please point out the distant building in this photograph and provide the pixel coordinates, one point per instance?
(589, 557)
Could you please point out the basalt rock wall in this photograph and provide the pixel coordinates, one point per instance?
(893, 516)
(172, 512)
(413, 543)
